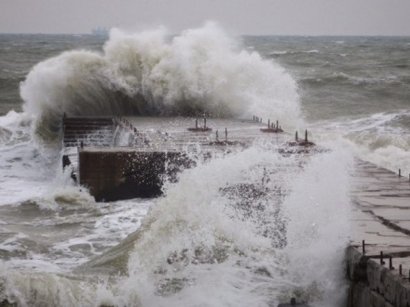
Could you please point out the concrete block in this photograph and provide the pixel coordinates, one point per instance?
(377, 300)
(114, 174)
(359, 295)
(355, 265)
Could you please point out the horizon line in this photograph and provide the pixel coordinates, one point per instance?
(175, 34)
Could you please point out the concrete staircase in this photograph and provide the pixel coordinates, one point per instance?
(90, 131)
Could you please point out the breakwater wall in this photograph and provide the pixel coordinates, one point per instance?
(123, 158)
(123, 174)
(375, 282)
(378, 260)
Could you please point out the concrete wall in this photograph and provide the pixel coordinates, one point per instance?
(115, 175)
(374, 285)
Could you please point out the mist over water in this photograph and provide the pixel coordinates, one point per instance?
(252, 228)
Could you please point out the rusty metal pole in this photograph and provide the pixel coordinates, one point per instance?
(381, 258)
(391, 263)
(399, 172)
(306, 136)
(400, 270)
(296, 137)
(363, 247)
(268, 123)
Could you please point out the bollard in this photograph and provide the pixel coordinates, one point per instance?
(399, 172)
(400, 270)
(306, 136)
(268, 123)
(296, 137)
(363, 247)
(391, 263)
(226, 134)
(381, 258)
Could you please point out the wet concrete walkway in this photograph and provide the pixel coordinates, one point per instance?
(381, 213)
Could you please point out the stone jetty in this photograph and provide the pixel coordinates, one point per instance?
(378, 260)
(128, 157)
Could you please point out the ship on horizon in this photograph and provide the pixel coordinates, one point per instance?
(100, 31)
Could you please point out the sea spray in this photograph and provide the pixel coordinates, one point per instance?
(149, 73)
(196, 247)
(318, 211)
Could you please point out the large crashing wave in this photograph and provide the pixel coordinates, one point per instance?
(151, 73)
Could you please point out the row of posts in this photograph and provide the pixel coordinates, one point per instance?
(196, 123)
(127, 124)
(217, 135)
(382, 257)
(297, 136)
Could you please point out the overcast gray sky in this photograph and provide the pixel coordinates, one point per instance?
(295, 17)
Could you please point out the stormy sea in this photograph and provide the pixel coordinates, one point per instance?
(250, 228)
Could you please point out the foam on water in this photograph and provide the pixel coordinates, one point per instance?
(381, 138)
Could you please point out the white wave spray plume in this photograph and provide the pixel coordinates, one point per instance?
(152, 73)
(200, 247)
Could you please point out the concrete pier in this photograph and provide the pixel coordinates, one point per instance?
(379, 270)
(129, 157)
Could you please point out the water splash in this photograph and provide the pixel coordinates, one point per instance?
(149, 73)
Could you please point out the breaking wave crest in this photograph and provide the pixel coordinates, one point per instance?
(152, 73)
